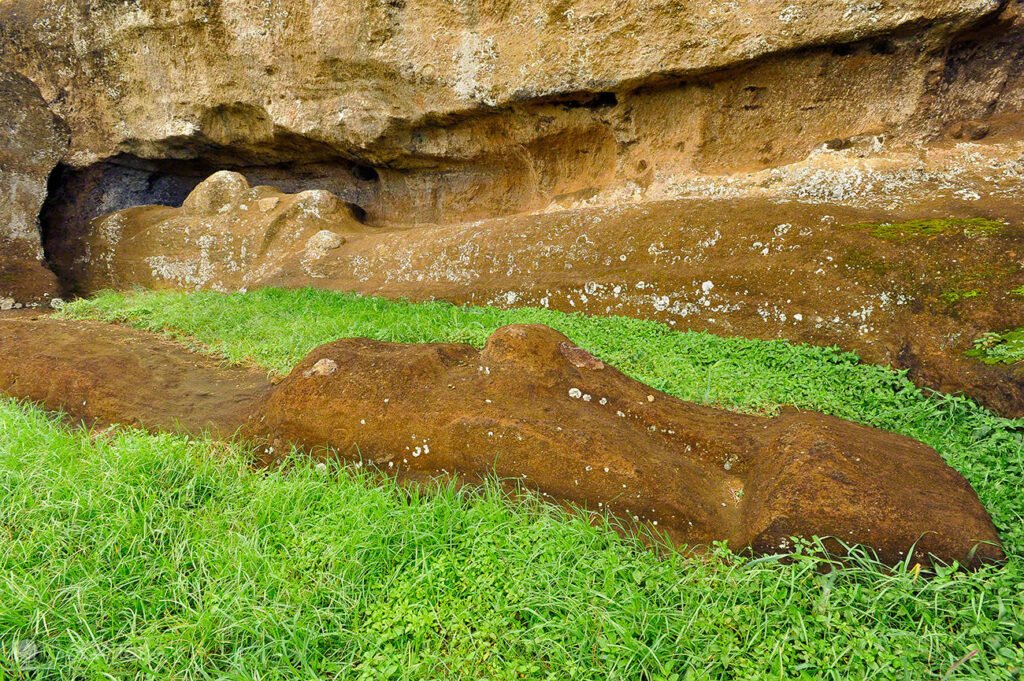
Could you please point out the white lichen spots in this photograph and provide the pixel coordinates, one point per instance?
(575, 393)
(476, 57)
(196, 272)
(791, 13)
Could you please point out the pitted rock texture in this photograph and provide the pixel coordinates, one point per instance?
(756, 267)
(532, 407)
(428, 111)
(32, 141)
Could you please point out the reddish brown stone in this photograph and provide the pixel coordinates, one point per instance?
(530, 407)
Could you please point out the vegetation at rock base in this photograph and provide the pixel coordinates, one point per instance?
(909, 229)
(1006, 347)
(127, 554)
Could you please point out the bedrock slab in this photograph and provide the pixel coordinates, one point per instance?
(907, 286)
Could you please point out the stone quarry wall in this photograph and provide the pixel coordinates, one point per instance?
(32, 141)
(422, 111)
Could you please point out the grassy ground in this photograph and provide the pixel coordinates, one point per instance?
(124, 554)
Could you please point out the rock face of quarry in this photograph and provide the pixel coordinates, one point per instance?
(579, 155)
(530, 407)
(32, 142)
(422, 111)
(842, 172)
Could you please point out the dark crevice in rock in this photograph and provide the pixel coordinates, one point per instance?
(365, 173)
(75, 196)
(593, 101)
(358, 212)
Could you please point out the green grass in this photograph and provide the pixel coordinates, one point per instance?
(1006, 347)
(132, 555)
(901, 231)
(128, 555)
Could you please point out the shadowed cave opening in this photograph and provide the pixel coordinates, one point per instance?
(76, 196)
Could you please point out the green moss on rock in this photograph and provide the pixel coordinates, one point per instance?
(1006, 347)
(956, 295)
(901, 231)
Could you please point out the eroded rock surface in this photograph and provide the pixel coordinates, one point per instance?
(429, 111)
(32, 141)
(913, 297)
(531, 406)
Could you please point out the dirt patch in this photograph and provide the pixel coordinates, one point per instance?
(530, 406)
(112, 374)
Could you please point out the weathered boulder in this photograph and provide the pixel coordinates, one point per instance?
(533, 407)
(32, 140)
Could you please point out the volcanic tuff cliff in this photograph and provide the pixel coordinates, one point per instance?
(435, 114)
